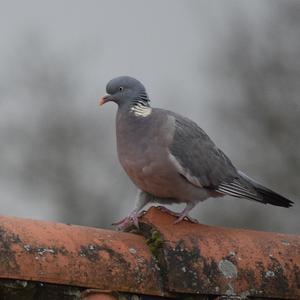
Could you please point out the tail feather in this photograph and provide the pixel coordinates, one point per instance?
(267, 195)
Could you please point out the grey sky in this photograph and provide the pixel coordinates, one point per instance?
(169, 45)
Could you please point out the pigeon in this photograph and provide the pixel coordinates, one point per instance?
(171, 159)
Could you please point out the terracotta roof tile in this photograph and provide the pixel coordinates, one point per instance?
(161, 260)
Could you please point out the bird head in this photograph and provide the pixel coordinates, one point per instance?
(125, 90)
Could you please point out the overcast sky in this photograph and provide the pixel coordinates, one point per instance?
(168, 45)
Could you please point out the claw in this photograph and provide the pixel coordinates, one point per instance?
(133, 218)
(187, 218)
(135, 221)
(119, 222)
(122, 224)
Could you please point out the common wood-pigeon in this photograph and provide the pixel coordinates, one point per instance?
(170, 158)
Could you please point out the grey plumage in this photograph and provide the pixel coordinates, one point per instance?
(197, 153)
(170, 158)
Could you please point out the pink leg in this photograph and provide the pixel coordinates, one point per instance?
(185, 214)
(133, 218)
(141, 200)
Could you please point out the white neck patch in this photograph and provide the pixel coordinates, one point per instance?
(141, 110)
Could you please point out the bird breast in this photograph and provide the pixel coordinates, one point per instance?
(142, 149)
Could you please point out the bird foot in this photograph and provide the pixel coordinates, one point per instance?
(180, 216)
(187, 218)
(132, 219)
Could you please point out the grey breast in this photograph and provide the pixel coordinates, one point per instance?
(142, 145)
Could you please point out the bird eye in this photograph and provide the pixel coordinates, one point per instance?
(121, 88)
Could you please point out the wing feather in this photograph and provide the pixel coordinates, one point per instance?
(201, 163)
(197, 158)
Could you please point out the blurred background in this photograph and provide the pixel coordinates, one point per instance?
(233, 67)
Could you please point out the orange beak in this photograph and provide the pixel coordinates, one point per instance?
(103, 100)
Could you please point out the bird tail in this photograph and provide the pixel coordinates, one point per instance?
(266, 195)
(246, 187)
